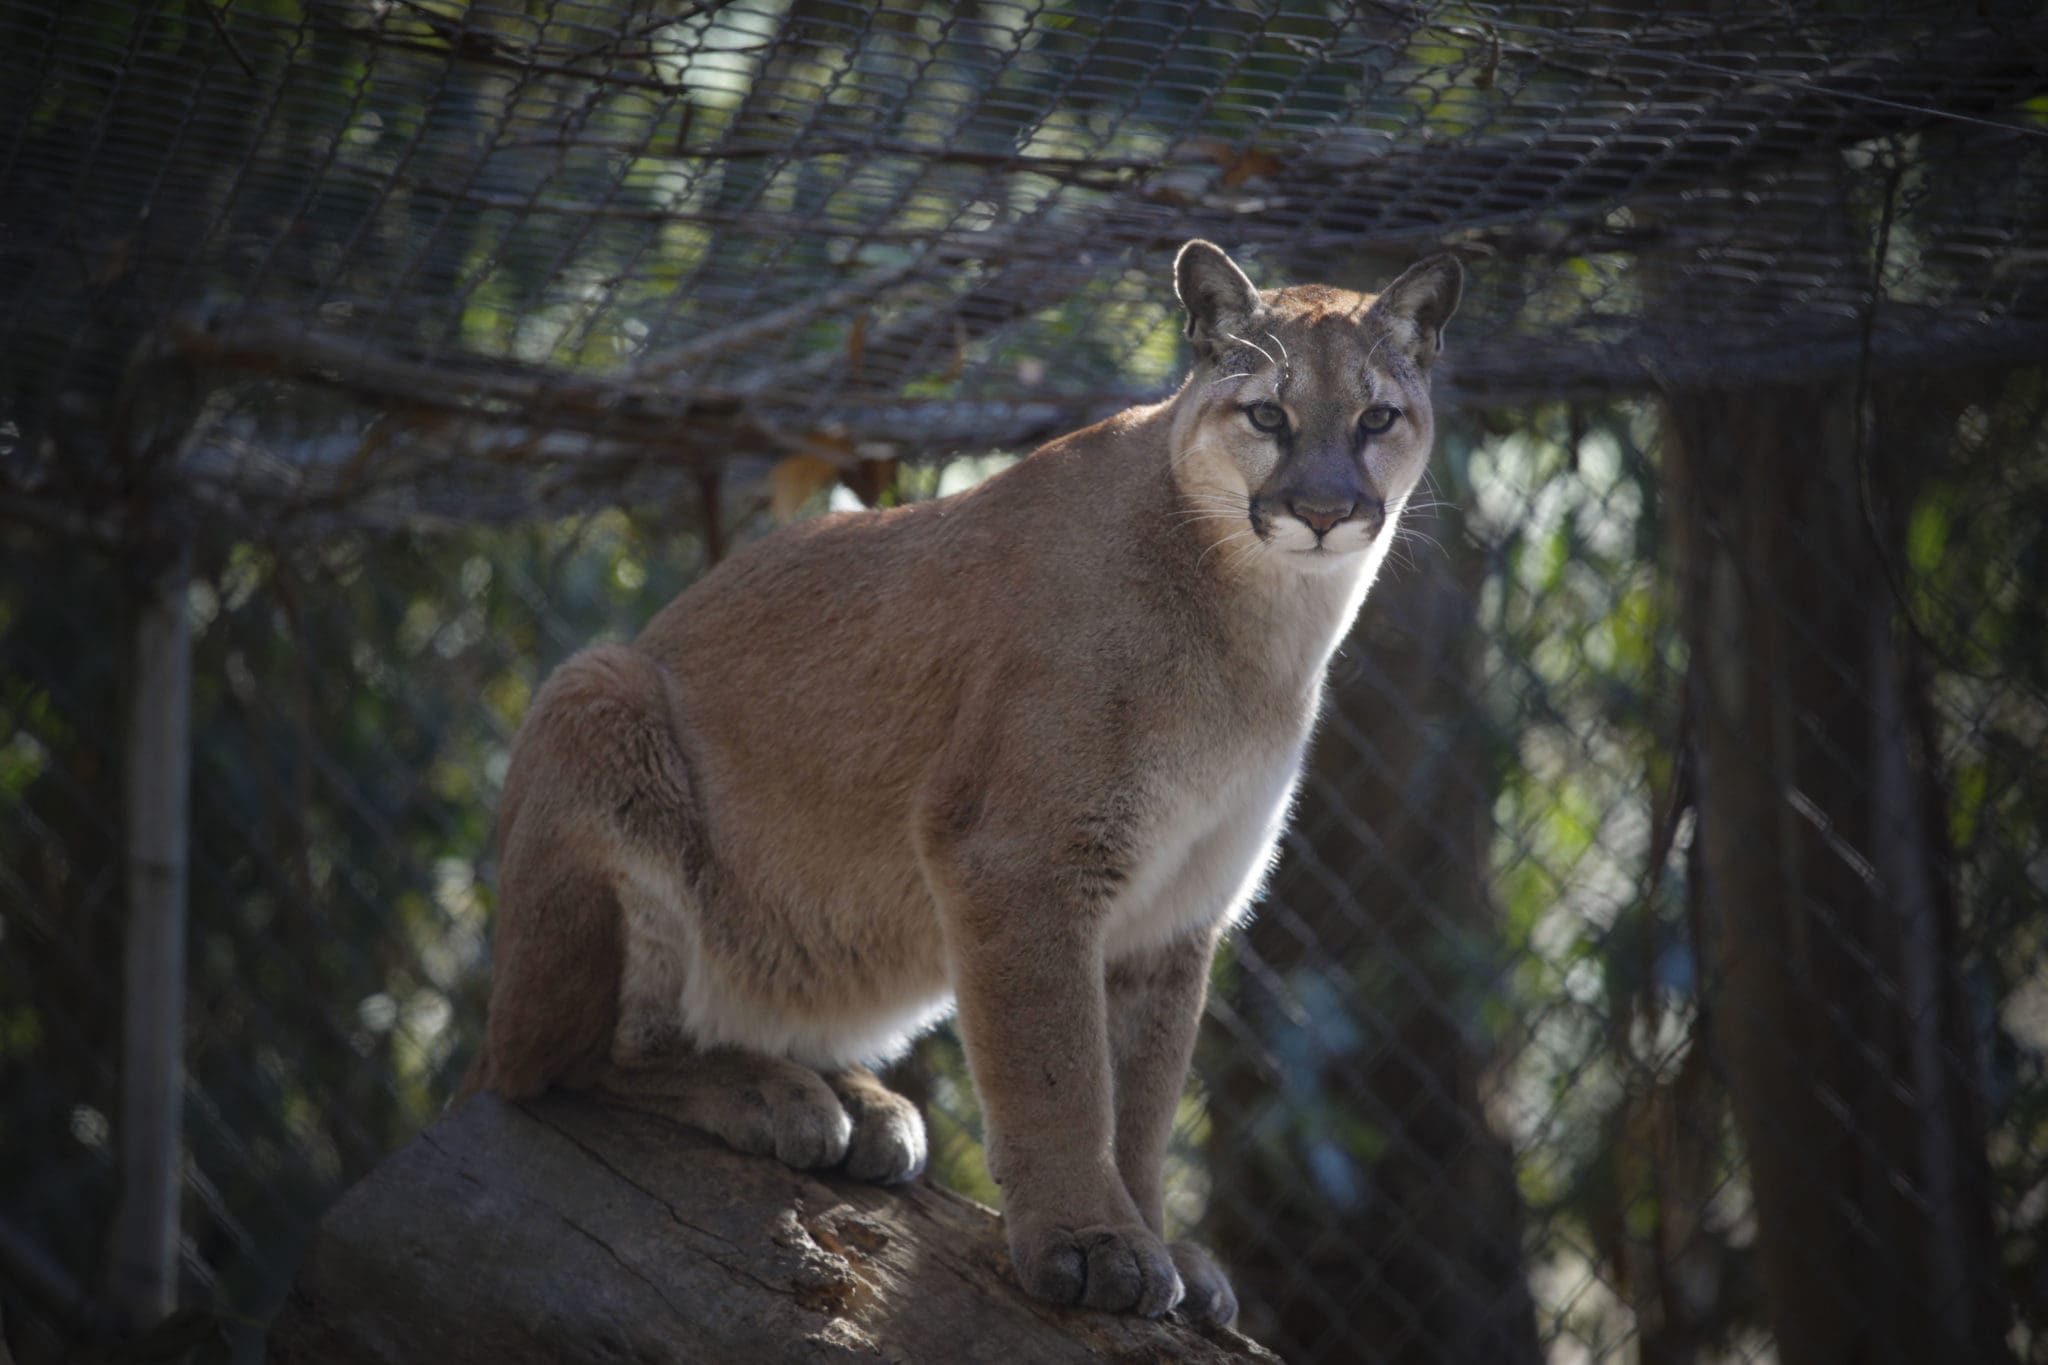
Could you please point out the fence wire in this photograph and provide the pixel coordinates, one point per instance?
(1656, 970)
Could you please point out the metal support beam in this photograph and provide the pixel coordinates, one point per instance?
(159, 766)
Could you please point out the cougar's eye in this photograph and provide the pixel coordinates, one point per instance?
(1378, 418)
(1266, 416)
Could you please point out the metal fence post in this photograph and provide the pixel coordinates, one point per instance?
(145, 1245)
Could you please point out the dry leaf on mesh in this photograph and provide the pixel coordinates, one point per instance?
(794, 479)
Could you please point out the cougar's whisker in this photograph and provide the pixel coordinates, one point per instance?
(1255, 346)
(1410, 533)
(1187, 514)
(1192, 517)
(1237, 535)
(1373, 352)
(1286, 362)
(1242, 553)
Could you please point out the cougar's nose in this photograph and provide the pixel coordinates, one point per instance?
(1322, 514)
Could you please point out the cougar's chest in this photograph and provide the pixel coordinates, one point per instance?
(1214, 796)
(1209, 807)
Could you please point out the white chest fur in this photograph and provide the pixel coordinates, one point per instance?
(1206, 850)
(1218, 808)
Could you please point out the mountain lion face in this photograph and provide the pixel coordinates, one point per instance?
(1310, 421)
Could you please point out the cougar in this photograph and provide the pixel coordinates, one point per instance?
(1024, 752)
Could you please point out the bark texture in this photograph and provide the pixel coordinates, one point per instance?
(565, 1231)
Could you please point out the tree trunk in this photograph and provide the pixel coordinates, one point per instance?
(1833, 996)
(566, 1232)
(1384, 1225)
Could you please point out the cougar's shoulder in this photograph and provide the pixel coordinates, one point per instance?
(1028, 559)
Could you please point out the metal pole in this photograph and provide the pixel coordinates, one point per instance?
(146, 1235)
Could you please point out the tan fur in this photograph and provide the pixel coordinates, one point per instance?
(1027, 749)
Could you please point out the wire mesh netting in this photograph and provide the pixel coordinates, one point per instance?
(1655, 970)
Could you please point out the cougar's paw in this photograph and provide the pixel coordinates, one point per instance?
(888, 1145)
(1123, 1269)
(793, 1117)
(1209, 1295)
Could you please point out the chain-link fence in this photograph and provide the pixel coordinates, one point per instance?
(1656, 970)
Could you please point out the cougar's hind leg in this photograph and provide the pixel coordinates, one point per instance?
(554, 986)
(751, 1102)
(597, 924)
(772, 1107)
(888, 1143)
(596, 750)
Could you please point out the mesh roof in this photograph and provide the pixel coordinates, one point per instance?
(280, 264)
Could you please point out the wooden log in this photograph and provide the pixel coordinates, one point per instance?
(568, 1231)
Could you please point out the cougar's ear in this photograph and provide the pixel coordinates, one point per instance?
(1219, 299)
(1420, 302)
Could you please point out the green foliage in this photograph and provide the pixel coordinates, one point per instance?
(1976, 581)
(351, 711)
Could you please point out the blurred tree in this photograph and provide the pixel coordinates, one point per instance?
(1360, 1192)
(1840, 1015)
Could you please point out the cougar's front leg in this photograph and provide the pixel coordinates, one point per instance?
(1155, 1007)
(1027, 963)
